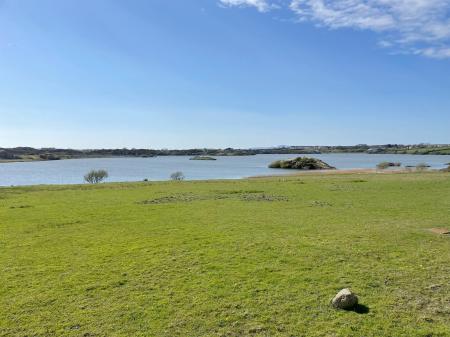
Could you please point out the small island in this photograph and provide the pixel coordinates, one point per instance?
(202, 158)
(302, 163)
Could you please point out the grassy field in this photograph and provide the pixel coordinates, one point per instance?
(259, 257)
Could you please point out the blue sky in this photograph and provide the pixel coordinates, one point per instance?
(219, 73)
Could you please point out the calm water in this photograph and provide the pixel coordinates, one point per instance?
(160, 168)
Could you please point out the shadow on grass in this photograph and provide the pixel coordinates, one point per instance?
(360, 309)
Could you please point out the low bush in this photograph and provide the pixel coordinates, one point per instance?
(422, 166)
(276, 164)
(177, 176)
(447, 169)
(95, 176)
(383, 165)
(386, 164)
(47, 156)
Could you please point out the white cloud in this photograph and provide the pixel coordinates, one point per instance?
(343, 13)
(413, 26)
(438, 52)
(260, 5)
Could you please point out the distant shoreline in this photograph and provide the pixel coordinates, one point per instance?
(39, 159)
(29, 154)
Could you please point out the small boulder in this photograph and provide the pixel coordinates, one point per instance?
(345, 299)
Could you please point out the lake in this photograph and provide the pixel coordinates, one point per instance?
(159, 168)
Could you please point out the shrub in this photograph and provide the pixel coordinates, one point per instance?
(177, 176)
(447, 169)
(276, 164)
(422, 166)
(94, 177)
(47, 156)
(383, 165)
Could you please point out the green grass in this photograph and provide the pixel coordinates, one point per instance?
(260, 257)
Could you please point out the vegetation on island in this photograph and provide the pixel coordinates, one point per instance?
(202, 158)
(302, 163)
(32, 154)
(257, 257)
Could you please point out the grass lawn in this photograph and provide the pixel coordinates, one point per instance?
(258, 257)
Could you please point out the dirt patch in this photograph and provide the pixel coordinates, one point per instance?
(21, 206)
(318, 203)
(440, 231)
(239, 195)
(173, 199)
(228, 192)
(253, 195)
(263, 197)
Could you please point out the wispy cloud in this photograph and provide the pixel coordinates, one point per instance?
(412, 26)
(260, 5)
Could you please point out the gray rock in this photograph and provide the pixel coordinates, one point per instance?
(345, 299)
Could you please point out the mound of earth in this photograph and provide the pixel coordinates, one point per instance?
(302, 163)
